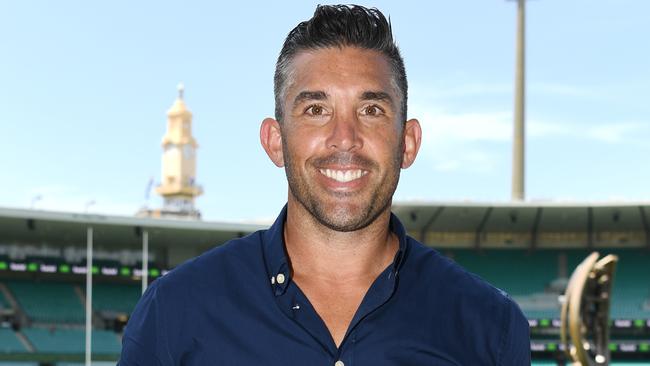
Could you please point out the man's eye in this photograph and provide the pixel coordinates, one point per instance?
(373, 110)
(315, 110)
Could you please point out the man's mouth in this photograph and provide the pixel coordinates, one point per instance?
(343, 176)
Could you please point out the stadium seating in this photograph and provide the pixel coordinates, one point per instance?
(4, 304)
(94, 363)
(515, 271)
(48, 302)
(9, 342)
(529, 278)
(71, 340)
(115, 298)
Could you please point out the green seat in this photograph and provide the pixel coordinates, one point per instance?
(48, 302)
(4, 304)
(523, 275)
(71, 340)
(9, 343)
(115, 298)
(517, 272)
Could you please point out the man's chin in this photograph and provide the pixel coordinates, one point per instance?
(344, 218)
(341, 225)
(343, 213)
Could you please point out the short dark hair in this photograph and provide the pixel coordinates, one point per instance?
(340, 26)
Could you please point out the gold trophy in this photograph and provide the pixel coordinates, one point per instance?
(585, 311)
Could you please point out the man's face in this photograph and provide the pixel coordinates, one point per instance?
(342, 136)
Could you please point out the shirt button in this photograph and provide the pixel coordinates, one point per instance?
(280, 279)
(339, 363)
(273, 280)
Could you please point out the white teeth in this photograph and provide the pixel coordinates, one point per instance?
(348, 175)
(343, 175)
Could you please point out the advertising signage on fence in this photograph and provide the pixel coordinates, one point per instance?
(65, 268)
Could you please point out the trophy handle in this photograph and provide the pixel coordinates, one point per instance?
(589, 287)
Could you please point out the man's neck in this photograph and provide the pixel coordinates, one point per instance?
(321, 253)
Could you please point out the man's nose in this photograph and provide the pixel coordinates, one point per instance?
(344, 134)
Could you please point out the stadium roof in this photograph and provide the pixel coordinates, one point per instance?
(524, 216)
(418, 218)
(118, 231)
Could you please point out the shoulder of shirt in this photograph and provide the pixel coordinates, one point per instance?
(171, 299)
(494, 312)
(468, 295)
(458, 280)
(240, 254)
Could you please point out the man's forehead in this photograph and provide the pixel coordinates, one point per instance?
(347, 67)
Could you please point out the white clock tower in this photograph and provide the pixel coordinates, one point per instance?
(178, 185)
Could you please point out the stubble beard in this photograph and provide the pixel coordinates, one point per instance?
(342, 217)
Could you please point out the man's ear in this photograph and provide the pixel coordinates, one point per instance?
(412, 139)
(271, 139)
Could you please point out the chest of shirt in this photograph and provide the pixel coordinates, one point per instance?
(274, 346)
(239, 332)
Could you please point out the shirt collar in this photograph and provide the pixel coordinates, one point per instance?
(277, 264)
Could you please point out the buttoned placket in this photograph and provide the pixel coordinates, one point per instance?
(295, 304)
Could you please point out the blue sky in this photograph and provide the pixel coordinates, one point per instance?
(84, 87)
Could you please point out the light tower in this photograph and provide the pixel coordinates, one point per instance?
(178, 181)
(518, 142)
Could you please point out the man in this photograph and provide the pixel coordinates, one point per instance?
(335, 280)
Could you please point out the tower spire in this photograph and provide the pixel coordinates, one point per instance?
(181, 90)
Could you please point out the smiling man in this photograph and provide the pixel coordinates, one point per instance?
(335, 280)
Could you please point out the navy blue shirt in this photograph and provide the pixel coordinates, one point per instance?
(236, 305)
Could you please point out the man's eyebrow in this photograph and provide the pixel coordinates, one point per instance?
(377, 95)
(309, 95)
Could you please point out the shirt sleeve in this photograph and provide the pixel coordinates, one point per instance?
(134, 354)
(515, 350)
(145, 338)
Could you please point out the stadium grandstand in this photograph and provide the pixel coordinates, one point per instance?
(527, 249)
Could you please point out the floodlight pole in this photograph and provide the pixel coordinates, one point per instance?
(145, 260)
(518, 147)
(89, 293)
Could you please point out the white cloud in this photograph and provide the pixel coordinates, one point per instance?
(461, 140)
(564, 90)
(541, 129)
(451, 140)
(617, 132)
(611, 133)
(456, 140)
(444, 127)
